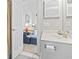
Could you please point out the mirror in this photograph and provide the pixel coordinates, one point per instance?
(50, 8)
(69, 8)
(69, 1)
(27, 19)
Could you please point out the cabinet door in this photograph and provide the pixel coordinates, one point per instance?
(57, 51)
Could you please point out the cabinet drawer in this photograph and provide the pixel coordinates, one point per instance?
(53, 50)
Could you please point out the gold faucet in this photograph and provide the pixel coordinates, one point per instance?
(65, 34)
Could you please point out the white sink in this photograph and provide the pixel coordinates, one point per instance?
(54, 36)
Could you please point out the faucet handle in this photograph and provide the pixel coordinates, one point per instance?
(33, 25)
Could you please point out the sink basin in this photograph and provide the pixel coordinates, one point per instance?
(54, 36)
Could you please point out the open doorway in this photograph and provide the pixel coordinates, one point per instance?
(30, 31)
(29, 36)
(30, 26)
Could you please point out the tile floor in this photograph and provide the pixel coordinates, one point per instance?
(30, 48)
(27, 55)
(29, 52)
(23, 57)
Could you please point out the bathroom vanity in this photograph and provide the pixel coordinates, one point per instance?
(54, 46)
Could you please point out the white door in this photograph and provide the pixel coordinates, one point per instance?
(17, 28)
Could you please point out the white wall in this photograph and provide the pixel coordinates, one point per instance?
(55, 23)
(30, 8)
(52, 24)
(68, 24)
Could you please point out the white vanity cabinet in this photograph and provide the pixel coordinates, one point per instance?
(55, 50)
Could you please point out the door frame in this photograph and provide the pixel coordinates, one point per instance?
(9, 28)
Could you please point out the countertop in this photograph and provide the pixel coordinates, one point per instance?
(53, 36)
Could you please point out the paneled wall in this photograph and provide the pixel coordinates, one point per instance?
(52, 24)
(55, 23)
(68, 24)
